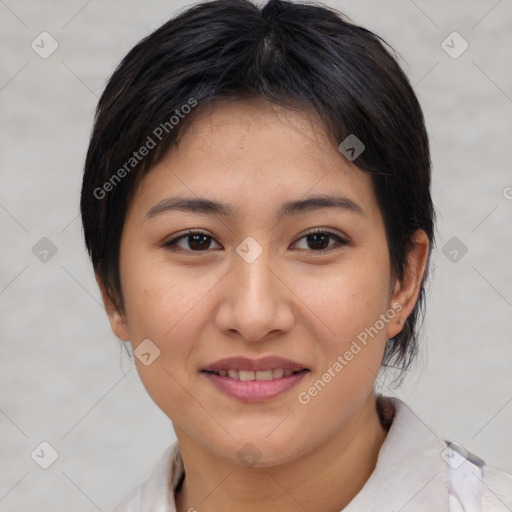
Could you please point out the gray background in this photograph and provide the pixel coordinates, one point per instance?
(63, 376)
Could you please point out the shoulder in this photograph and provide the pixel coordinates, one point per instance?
(497, 494)
(471, 484)
(474, 485)
(156, 492)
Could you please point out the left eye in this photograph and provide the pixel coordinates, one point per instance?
(198, 241)
(319, 240)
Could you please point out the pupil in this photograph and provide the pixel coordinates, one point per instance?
(198, 245)
(319, 237)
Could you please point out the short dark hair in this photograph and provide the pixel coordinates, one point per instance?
(302, 56)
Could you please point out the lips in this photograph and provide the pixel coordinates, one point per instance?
(255, 380)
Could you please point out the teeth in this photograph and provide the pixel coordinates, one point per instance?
(246, 375)
(264, 375)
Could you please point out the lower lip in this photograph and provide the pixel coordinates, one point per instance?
(255, 390)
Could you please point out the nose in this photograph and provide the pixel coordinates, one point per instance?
(256, 303)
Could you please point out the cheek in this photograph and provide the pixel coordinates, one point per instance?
(348, 299)
(168, 306)
(159, 298)
(165, 307)
(349, 304)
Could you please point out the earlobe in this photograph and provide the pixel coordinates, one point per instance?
(116, 318)
(406, 290)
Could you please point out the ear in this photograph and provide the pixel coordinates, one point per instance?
(116, 318)
(406, 291)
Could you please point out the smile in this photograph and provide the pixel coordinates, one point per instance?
(246, 375)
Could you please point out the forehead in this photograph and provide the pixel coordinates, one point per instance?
(252, 155)
(229, 128)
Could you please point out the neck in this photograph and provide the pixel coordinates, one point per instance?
(324, 479)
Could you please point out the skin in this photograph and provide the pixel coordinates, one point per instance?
(293, 301)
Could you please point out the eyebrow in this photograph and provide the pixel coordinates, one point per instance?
(209, 207)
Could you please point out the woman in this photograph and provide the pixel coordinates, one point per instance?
(256, 204)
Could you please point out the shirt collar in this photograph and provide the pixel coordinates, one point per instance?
(411, 474)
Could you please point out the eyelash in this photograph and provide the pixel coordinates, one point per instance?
(172, 244)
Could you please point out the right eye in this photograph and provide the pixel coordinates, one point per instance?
(197, 241)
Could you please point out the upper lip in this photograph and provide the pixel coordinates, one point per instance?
(244, 363)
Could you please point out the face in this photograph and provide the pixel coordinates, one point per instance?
(302, 283)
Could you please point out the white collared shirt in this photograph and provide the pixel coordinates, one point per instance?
(416, 471)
